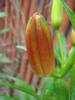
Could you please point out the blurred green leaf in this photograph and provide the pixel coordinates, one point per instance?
(73, 94)
(2, 83)
(4, 31)
(57, 55)
(47, 87)
(7, 98)
(72, 81)
(4, 60)
(70, 14)
(21, 47)
(3, 14)
(23, 96)
(64, 46)
(64, 41)
(49, 98)
(1, 54)
(18, 85)
(60, 89)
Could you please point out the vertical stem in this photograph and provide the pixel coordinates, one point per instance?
(61, 46)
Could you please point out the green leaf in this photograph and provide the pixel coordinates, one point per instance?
(21, 47)
(61, 91)
(1, 54)
(4, 60)
(64, 41)
(3, 14)
(72, 81)
(47, 87)
(4, 31)
(70, 14)
(18, 85)
(7, 98)
(73, 94)
(57, 55)
(23, 96)
(49, 98)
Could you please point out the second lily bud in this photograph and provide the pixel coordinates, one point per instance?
(57, 13)
(73, 37)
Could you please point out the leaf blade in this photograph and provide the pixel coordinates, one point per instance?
(21, 86)
(3, 31)
(3, 14)
(70, 14)
(5, 60)
(72, 81)
(61, 90)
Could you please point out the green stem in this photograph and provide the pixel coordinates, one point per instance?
(70, 61)
(61, 46)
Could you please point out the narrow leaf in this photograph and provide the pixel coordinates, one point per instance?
(64, 42)
(57, 55)
(73, 94)
(7, 98)
(4, 60)
(23, 96)
(47, 88)
(61, 90)
(72, 81)
(4, 31)
(49, 98)
(21, 47)
(3, 14)
(70, 14)
(18, 85)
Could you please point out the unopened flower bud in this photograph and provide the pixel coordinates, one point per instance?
(39, 46)
(73, 37)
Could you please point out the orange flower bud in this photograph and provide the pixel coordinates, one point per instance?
(39, 46)
(73, 37)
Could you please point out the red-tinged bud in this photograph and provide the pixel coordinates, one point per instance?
(39, 46)
(73, 37)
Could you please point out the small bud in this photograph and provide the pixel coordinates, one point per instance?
(57, 13)
(73, 37)
(39, 46)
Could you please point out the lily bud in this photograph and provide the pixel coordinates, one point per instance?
(57, 13)
(73, 37)
(39, 46)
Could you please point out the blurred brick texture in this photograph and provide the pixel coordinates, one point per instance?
(19, 13)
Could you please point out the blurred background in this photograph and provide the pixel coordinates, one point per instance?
(19, 12)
